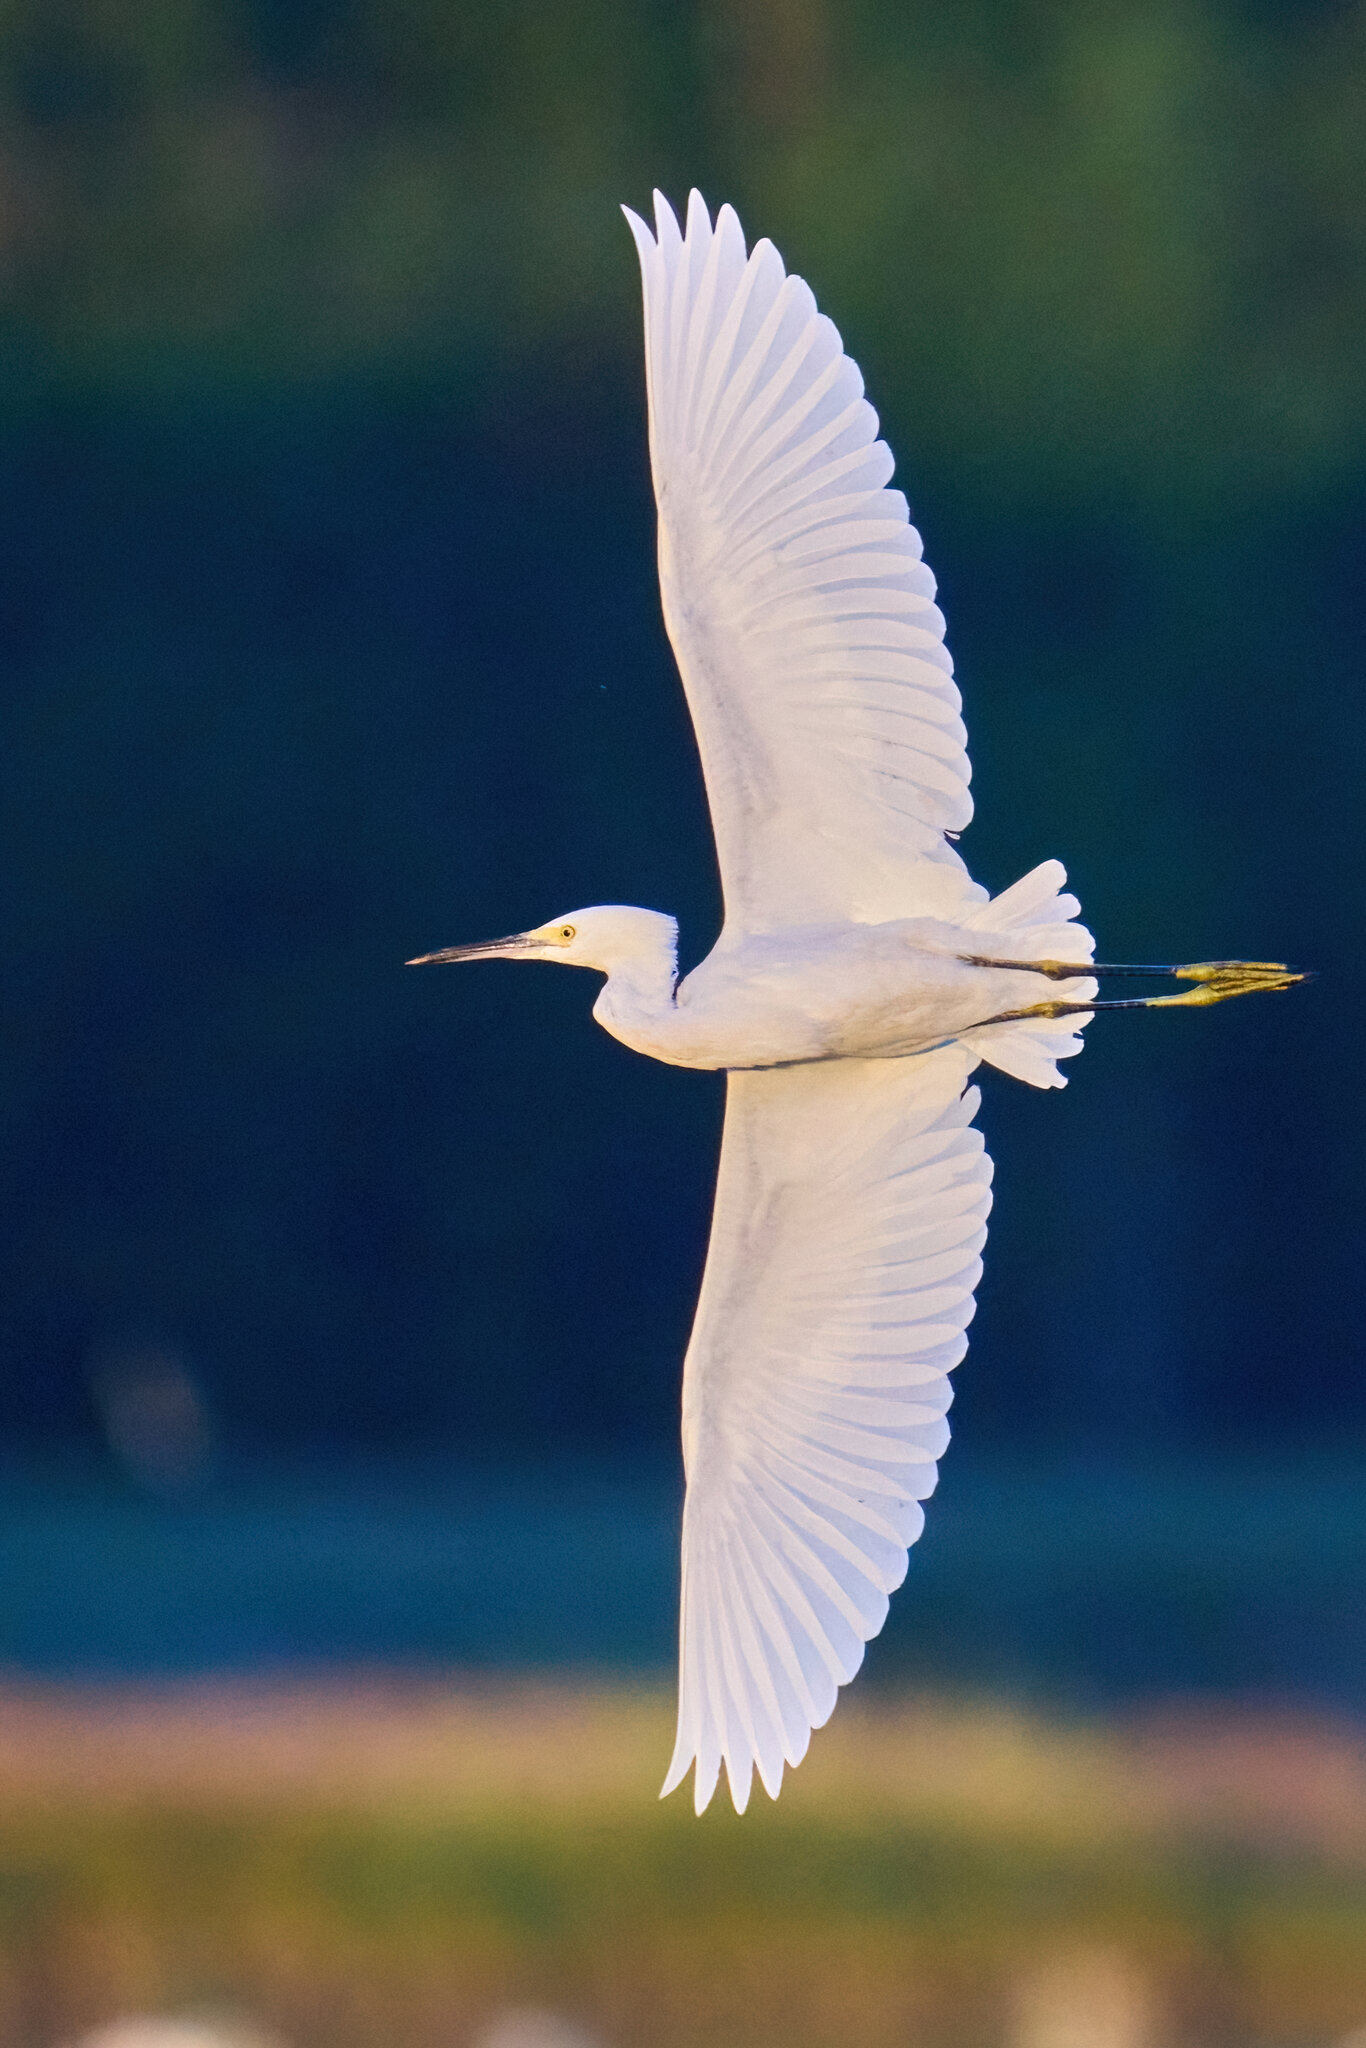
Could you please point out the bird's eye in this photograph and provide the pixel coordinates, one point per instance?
(566, 931)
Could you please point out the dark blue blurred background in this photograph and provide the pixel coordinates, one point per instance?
(331, 635)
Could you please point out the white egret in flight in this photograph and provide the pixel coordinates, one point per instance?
(860, 977)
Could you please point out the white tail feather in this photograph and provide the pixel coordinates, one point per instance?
(1034, 920)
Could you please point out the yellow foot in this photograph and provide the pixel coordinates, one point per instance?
(1217, 981)
(1220, 979)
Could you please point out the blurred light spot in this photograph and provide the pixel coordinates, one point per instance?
(1086, 1998)
(147, 2031)
(527, 2028)
(154, 1416)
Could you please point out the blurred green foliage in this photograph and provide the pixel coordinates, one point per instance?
(1116, 248)
(357, 1931)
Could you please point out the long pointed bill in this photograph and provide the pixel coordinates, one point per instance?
(486, 949)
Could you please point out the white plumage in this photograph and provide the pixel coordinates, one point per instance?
(802, 615)
(850, 1215)
(860, 976)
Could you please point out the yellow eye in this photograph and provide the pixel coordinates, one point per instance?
(566, 931)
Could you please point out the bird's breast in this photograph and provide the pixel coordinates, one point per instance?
(776, 999)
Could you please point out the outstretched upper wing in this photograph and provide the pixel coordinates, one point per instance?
(801, 613)
(850, 1213)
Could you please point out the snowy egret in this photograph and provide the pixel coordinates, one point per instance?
(859, 978)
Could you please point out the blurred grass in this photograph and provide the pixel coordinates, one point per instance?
(384, 1863)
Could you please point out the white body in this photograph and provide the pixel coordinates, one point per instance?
(771, 999)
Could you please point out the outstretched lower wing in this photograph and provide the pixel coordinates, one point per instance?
(801, 613)
(850, 1214)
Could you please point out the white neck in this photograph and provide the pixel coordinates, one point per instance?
(645, 981)
(637, 991)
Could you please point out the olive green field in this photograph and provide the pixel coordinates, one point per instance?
(383, 1863)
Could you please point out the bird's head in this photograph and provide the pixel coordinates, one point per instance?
(611, 937)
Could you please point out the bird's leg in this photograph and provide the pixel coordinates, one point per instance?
(1232, 977)
(1216, 981)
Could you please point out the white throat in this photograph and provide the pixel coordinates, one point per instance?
(639, 990)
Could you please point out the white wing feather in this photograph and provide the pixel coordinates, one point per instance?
(850, 1214)
(801, 613)
(852, 1197)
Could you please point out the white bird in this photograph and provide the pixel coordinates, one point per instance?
(860, 976)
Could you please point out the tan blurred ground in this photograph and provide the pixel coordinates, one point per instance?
(1260, 1776)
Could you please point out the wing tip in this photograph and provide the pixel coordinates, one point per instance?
(703, 1793)
(770, 1776)
(679, 1762)
(728, 221)
(666, 221)
(741, 1784)
(697, 214)
(646, 245)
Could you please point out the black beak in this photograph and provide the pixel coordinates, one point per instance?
(485, 949)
